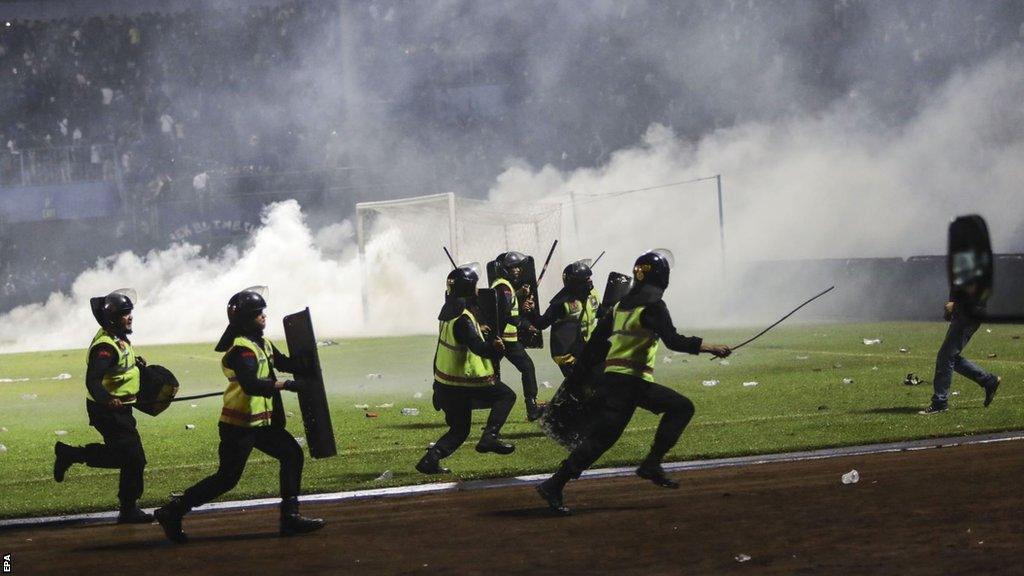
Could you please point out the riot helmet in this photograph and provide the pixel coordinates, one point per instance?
(244, 306)
(653, 267)
(508, 264)
(576, 276)
(461, 282)
(108, 310)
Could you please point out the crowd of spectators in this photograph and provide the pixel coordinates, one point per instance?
(168, 92)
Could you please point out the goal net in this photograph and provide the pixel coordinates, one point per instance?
(414, 230)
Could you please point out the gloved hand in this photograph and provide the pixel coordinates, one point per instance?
(294, 385)
(140, 362)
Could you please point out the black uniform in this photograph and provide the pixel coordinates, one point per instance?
(122, 445)
(554, 317)
(237, 442)
(458, 402)
(515, 352)
(622, 394)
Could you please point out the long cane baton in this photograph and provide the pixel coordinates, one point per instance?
(780, 320)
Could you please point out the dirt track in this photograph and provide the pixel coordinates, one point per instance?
(940, 511)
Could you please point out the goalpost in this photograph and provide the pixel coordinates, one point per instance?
(473, 230)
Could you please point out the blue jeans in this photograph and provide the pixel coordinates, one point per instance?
(948, 360)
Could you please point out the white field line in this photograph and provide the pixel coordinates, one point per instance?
(442, 487)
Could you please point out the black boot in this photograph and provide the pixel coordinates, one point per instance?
(533, 410)
(655, 473)
(292, 523)
(431, 463)
(491, 442)
(551, 491)
(130, 513)
(169, 516)
(64, 457)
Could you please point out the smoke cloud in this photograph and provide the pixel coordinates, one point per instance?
(843, 129)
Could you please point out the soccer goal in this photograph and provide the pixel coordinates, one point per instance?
(414, 230)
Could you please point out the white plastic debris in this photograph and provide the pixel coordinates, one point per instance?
(955, 393)
(989, 330)
(418, 395)
(851, 477)
(546, 384)
(410, 411)
(847, 380)
(190, 426)
(387, 405)
(300, 440)
(874, 367)
(750, 384)
(904, 350)
(60, 432)
(742, 558)
(362, 406)
(872, 341)
(723, 362)
(29, 396)
(193, 405)
(290, 413)
(62, 376)
(385, 476)
(710, 383)
(3, 448)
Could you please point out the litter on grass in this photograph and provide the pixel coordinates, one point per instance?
(190, 426)
(385, 476)
(872, 341)
(750, 384)
(847, 380)
(851, 477)
(710, 383)
(60, 432)
(742, 558)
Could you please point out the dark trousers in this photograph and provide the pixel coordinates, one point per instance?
(621, 395)
(236, 443)
(458, 403)
(121, 448)
(516, 354)
(948, 360)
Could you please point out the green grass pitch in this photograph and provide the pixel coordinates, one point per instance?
(800, 402)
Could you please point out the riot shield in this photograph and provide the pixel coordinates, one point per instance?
(316, 414)
(618, 286)
(572, 410)
(492, 272)
(528, 278)
(488, 315)
(157, 388)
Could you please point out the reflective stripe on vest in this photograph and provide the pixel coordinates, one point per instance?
(510, 332)
(240, 409)
(457, 365)
(121, 381)
(633, 347)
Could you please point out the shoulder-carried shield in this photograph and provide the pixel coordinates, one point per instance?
(618, 286)
(528, 278)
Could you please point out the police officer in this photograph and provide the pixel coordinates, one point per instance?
(252, 417)
(628, 337)
(464, 374)
(572, 315)
(509, 270)
(112, 382)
